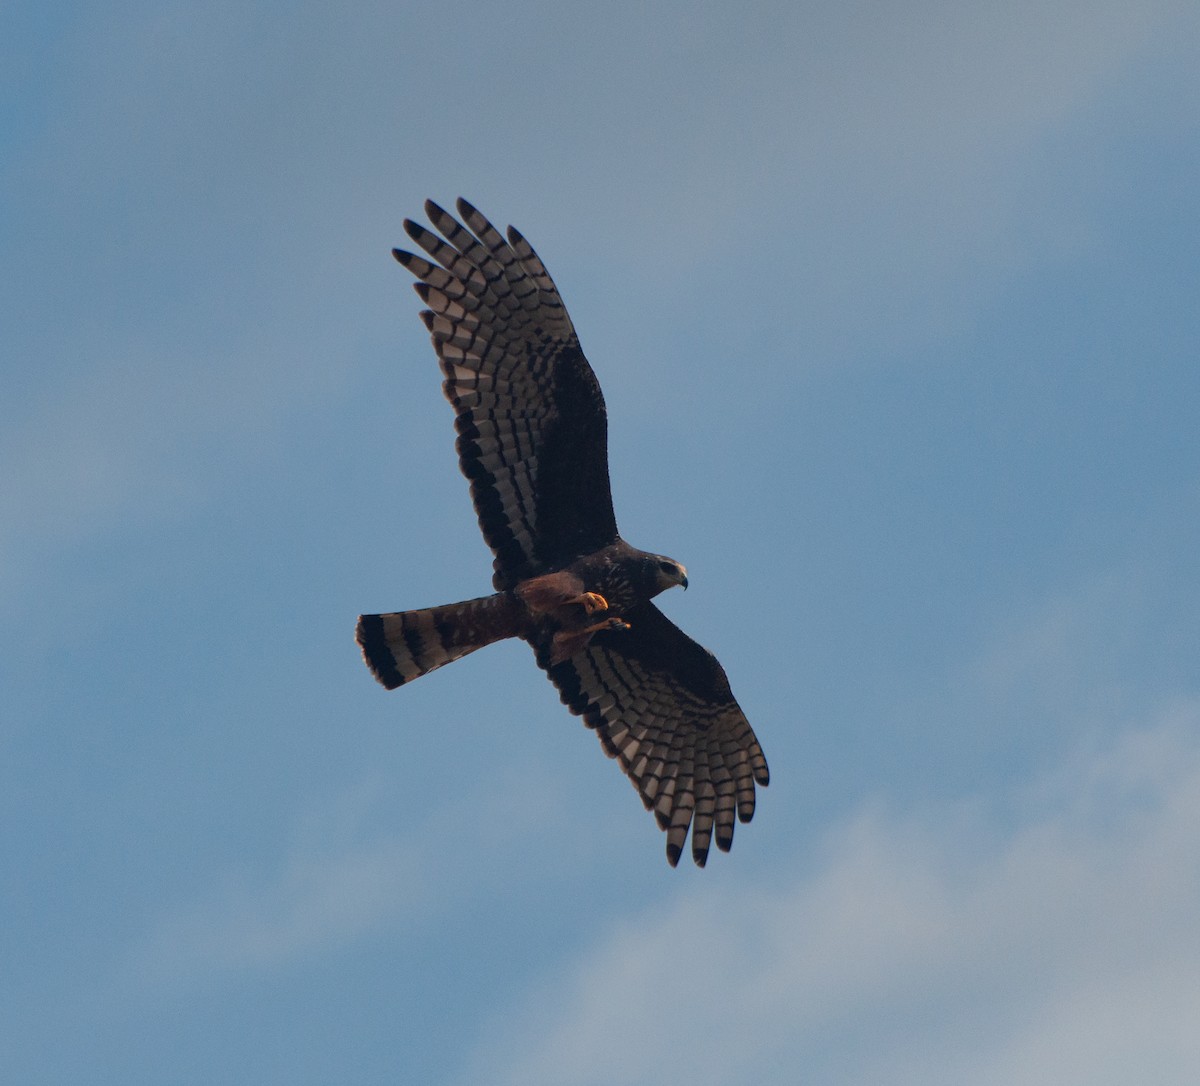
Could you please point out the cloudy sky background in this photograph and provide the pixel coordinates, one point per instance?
(895, 309)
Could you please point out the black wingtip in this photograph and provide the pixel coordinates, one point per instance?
(416, 231)
(673, 852)
(435, 211)
(465, 207)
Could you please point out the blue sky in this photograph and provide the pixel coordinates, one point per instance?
(895, 310)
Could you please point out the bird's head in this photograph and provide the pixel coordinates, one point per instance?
(668, 573)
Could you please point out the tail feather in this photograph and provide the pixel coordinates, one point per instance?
(404, 645)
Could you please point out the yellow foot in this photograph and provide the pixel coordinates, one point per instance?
(593, 602)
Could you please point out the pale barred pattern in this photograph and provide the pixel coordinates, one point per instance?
(499, 326)
(691, 760)
(532, 441)
(415, 644)
(404, 645)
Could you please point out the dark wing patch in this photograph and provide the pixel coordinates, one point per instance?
(532, 426)
(662, 707)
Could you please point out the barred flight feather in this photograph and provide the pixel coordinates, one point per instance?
(523, 393)
(404, 645)
(532, 441)
(661, 706)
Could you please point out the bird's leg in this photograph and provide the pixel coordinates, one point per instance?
(551, 591)
(612, 623)
(592, 602)
(562, 598)
(567, 643)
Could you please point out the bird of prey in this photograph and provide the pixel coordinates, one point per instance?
(533, 441)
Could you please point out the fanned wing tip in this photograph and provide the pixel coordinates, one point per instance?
(428, 316)
(418, 265)
(525, 252)
(466, 209)
(662, 813)
(423, 236)
(676, 836)
(483, 230)
(702, 829)
(443, 220)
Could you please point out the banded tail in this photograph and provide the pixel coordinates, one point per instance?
(404, 645)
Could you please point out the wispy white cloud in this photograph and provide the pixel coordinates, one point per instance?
(895, 142)
(921, 950)
(337, 881)
(148, 431)
(1060, 658)
(315, 901)
(349, 872)
(905, 136)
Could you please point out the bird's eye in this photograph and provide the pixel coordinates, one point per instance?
(666, 567)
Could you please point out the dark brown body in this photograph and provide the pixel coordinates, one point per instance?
(533, 442)
(558, 613)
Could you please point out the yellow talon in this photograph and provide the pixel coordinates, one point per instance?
(593, 602)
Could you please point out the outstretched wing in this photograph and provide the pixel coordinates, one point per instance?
(662, 707)
(533, 431)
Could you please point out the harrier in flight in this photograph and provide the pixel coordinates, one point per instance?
(533, 441)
